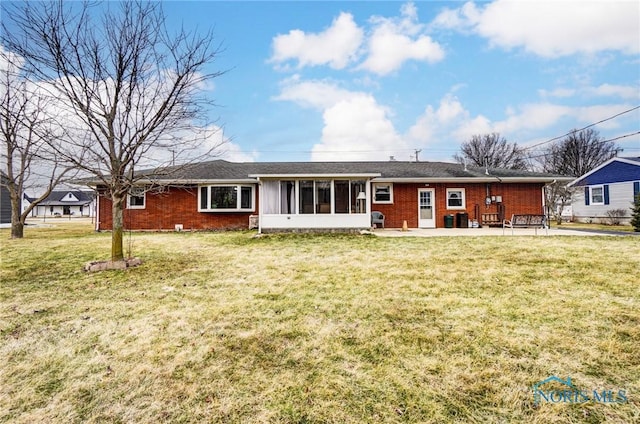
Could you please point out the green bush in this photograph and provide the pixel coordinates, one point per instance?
(635, 214)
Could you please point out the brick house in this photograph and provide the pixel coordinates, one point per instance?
(285, 196)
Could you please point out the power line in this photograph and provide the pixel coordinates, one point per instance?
(584, 128)
(599, 142)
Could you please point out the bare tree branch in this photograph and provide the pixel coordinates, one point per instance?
(26, 132)
(578, 153)
(491, 150)
(131, 91)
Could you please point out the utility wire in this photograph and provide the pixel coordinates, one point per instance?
(456, 150)
(599, 142)
(584, 128)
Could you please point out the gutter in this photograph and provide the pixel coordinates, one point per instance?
(467, 180)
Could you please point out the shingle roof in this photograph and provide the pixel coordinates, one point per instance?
(56, 196)
(223, 170)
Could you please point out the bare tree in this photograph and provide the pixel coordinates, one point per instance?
(492, 151)
(578, 153)
(26, 133)
(135, 93)
(557, 197)
(573, 156)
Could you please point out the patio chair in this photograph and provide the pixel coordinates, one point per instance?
(377, 219)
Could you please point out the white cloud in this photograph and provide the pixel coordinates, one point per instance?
(355, 127)
(336, 46)
(558, 92)
(429, 125)
(532, 116)
(441, 129)
(390, 43)
(622, 91)
(314, 94)
(551, 28)
(604, 90)
(394, 41)
(234, 153)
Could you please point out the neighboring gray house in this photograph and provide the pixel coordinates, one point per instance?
(67, 203)
(612, 185)
(5, 204)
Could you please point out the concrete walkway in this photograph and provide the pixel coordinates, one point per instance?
(487, 231)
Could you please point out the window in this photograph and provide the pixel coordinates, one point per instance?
(287, 197)
(382, 193)
(315, 196)
(455, 198)
(136, 198)
(323, 196)
(341, 196)
(597, 195)
(306, 197)
(358, 196)
(226, 198)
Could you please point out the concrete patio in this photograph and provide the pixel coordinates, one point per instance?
(489, 231)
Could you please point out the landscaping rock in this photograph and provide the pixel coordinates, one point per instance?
(97, 266)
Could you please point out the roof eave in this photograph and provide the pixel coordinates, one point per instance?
(311, 175)
(191, 181)
(488, 179)
(576, 181)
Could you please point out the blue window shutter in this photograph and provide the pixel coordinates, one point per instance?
(606, 194)
(586, 196)
(636, 189)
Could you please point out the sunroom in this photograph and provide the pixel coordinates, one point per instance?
(320, 201)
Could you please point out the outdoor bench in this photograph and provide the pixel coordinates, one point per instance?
(491, 219)
(525, 221)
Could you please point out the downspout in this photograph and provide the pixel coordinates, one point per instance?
(259, 206)
(97, 214)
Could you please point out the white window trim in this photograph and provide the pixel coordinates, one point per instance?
(464, 199)
(373, 193)
(252, 208)
(144, 199)
(591, 202)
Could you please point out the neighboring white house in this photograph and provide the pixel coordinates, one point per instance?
(66, 203)
(612, 185)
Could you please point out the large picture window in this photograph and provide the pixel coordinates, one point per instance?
(226, 198)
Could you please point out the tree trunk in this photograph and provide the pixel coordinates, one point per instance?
(117, 253)
(17, 227)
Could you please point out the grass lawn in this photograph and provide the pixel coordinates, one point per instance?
(592, 226)
(223, 327)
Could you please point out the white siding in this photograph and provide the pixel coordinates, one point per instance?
(620, 197)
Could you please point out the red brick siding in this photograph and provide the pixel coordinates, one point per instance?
(517, 198)
(175, 206)
(180, 206)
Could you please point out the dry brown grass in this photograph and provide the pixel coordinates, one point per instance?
(345, 329)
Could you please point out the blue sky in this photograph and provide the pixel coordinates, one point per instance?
(366, 80)
(340, 80)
